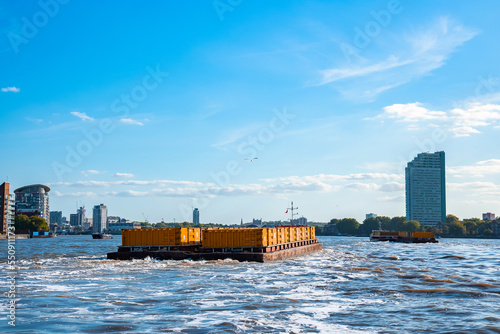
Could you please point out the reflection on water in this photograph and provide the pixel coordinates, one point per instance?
(66, 285)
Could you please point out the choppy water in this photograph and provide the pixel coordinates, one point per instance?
(66, 285)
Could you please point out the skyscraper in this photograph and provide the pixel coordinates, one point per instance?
(196, 216)
(6, 207)
(33, 200)
(100, 218)
(426, 189)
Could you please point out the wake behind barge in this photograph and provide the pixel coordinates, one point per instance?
(242, 244)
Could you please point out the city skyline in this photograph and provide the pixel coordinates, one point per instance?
(163, 115)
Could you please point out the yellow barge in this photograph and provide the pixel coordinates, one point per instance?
(243, 244)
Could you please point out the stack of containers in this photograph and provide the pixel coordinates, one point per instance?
(161, 236)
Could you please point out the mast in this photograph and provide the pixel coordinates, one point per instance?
(293, 214)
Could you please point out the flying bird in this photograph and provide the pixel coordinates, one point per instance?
(252, 159)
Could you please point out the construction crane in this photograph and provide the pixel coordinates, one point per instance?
(145, 218)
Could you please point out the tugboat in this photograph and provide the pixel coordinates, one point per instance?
(101, 236)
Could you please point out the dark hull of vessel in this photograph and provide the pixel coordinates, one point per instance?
(101, 236)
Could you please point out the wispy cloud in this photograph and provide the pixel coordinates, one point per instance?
(414, 55)
(81, 115)
(91, 172)
(131, 121)
(124, 175)
(479, 169)
(10, 90)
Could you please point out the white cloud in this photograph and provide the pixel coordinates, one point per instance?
(75, 194)
(461, 122)
(411, 112)
(131, 121)
(399, 198)
(469, 186)
(124, 175)
(10, 89)
(412, 56)
(81, 115)
(90, 172)
(479, 169)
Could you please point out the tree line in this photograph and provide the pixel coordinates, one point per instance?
(452, 227)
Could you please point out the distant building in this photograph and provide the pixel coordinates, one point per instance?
(426, 189)
(123, 224)
(77, 219)
(113, 219)
(257, 222)
(299, 221)
(196, 216)
(33, 200)
(87, 224)
(371, 215)
(55, 219)
(488, 216)
(100, 218)
(7, 207)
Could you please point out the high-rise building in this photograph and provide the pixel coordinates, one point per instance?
(488, 216)
(371, 215)
(100, 218)
(7, 208)
(196, 216)
(55, 219)
(426, 189)
(78, 219)
(33, 200)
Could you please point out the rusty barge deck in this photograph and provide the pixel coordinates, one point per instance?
(197, 252)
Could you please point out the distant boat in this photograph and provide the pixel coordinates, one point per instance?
(101, 236)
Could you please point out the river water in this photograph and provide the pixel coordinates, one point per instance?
(66, 285)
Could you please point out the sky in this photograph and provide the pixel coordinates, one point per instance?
(240, 107)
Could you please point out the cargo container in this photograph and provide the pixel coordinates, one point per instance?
(160, 236)
(423, 235)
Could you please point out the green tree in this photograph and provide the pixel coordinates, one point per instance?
(348, 226)
(370, 224)
(451, 218)
(470, 226)
(457, 228)
(385, 222)
(427, 228)
(38, 224)
(446, 230)
(334, 221)
(33, 223)
(411, 226)
(22, 222)
(397, 223)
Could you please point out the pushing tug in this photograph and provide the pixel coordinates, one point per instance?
(408, 237)
(242, 244)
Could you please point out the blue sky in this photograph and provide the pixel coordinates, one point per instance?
(153, 107)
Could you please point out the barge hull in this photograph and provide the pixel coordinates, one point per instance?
(205, 254)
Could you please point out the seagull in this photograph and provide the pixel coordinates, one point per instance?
(252, 159)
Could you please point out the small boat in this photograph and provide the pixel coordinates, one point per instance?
(408, 237)
(101, 236)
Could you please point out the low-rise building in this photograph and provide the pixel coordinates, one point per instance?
(488, 216)
(119, 226)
